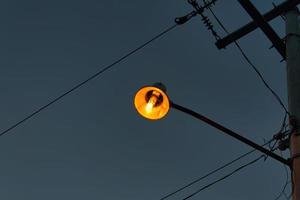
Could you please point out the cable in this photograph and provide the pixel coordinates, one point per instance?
(231, 173)
(213, 172)
(285, 185)
(88, 79)
(262, 79)
(281, 134)
(222, 167)
(224, 177)
(283, 191)
(205, 19)
(251, 64)
(288, 197)
(207, 175)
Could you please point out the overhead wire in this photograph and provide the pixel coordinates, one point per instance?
(282, 132)
(244, 155)
(282, 192)
(272, 148)
(208, 174)
(82, 83)
(120, 60)
(223, 178)
(128, 55)
(214, 171)
(285, 184)
(106, 68)
(251, 63)
(228, 175)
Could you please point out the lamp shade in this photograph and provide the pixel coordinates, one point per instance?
(152, 102)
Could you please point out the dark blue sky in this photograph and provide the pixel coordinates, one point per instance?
(92, 144)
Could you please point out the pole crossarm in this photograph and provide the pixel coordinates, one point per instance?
(264, 26)
(230, 133)
(277, 11)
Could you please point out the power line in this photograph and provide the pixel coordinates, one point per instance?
(231, 173)
(273, 93)
(224, 177)
(213, 171)
(88, 79)
(285, 184)
(281, 134)
(282, 192)
(251, 63)
(207, 175)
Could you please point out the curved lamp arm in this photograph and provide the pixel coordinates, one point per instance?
(230, 133)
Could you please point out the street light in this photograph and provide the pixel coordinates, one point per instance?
(153, 103)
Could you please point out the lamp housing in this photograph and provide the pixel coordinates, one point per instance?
(152, 102)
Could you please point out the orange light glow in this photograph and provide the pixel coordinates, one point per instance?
(152, 102)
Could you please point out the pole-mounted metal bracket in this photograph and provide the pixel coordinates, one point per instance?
(185, 18)
(283, 144)
(198, 10)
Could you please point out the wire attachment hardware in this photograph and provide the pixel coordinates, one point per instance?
(206, 21)
(283, 136)
(198, 10)
(185, 18)
(210, 26)
(283, 144)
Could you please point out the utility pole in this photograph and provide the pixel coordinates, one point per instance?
(290, 51)
(293, 84)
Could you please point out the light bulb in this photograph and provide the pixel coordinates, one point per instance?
(151, 103)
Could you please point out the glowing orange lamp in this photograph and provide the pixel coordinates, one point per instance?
(152, 102)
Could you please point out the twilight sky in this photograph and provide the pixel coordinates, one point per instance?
(92, 144)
